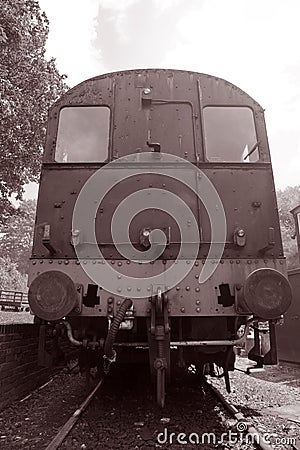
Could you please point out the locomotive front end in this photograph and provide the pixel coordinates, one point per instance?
(157, 227)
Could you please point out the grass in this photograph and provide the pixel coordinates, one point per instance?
(13, 317)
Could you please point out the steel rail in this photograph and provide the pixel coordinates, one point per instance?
(67, 427)
(258, 440)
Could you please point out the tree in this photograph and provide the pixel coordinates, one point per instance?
(28, 85)
(17, 234)
(288, 199)
(10, 278)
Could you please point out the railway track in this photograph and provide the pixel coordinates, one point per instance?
(67, 427)
(237, 432)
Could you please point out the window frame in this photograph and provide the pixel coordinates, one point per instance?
(77, 163)
(205, 157)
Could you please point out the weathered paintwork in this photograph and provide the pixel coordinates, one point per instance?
(172, 114)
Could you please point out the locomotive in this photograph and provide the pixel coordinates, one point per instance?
(157, 236)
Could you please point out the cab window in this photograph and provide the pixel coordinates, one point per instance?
(83, 134)
(229, 134)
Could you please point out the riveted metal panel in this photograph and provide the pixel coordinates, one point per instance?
(188, 298)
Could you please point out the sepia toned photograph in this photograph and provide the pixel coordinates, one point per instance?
(149, 224)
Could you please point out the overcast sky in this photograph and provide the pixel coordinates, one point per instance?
(251, 43)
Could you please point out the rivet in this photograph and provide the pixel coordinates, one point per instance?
(249, 261)
(231, 262)
(119, 277)
(196, 264)
(237, 261)
(197, 302)
(59, 262)
(177, 288)
(187, 288)
(169, 310)
(119, 263)
(110, 300)
(222, 262)
(182, 309)
(112, 262)
(198, 309)
(119, 289)
(148, 311)
(77, 262)
(129, 288)
(109, 309)
(34, 263)
(50, 262)
(138, 289)
(197, 276)
(41, 261)
(148, 289)
(188, 262)
(197, 289)
(203, 261)
(66, 262)
(281, 262)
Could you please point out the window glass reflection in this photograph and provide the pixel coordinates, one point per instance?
(229, 134)
(83, 134)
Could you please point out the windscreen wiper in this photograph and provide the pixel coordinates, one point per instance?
(252, 150)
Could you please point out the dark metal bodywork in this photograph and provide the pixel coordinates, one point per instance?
(165, 107)
(288, 333)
